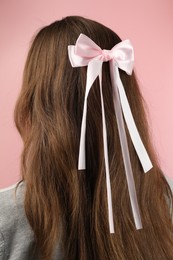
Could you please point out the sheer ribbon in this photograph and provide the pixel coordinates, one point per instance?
(87, 53)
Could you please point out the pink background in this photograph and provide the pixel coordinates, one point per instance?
(148, 24)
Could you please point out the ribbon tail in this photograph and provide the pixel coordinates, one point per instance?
(81, 159)
(105, 146)
(124, 147)
(93, 71)
(134, 134)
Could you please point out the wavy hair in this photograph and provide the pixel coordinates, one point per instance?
(67, 206)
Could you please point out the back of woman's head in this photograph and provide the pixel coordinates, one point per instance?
(63, 204)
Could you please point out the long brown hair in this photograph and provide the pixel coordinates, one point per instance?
(67, 206)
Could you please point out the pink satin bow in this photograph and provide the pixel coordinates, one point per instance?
(88, 53)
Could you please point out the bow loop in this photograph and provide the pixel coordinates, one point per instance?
(124, 56)
(86, 48)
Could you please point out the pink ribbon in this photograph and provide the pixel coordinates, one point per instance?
(88, 53)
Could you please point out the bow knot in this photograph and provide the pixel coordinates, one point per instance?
(106, 55)
(88, 53)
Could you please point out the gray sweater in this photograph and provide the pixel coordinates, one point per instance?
(16, 236)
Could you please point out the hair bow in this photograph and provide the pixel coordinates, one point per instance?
(87, 53)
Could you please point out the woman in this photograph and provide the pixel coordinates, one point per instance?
(59, 211)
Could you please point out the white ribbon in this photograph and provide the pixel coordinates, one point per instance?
(88, 53)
